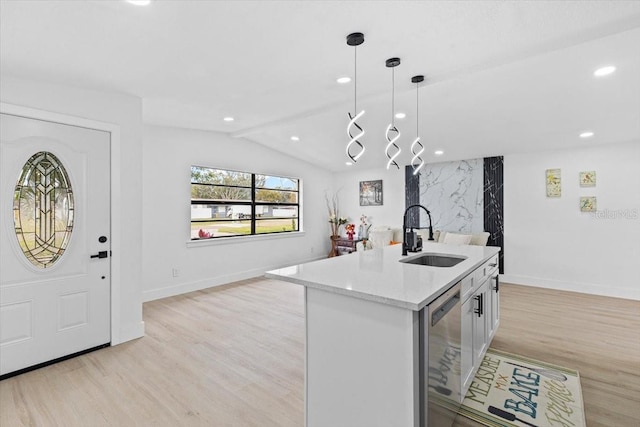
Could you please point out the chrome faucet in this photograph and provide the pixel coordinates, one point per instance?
(404, 227)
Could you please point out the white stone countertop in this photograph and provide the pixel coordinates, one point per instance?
(377, 275)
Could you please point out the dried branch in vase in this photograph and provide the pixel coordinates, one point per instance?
(333, 207)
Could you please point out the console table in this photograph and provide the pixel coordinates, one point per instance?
(346, 246)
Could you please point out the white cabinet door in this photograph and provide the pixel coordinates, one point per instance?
(466, 345)
(475, 333)
(480, 320)
(480, 324)
(493, 301)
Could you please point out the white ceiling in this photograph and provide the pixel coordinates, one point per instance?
(501, 76)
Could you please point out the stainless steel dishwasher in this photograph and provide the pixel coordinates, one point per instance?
(440, 379)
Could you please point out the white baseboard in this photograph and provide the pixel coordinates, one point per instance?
(197, 285)
(585, 288)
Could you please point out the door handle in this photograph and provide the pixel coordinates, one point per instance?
(497, 287)
(101, 254)
(480, 309)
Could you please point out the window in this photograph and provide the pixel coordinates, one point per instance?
(228, 203)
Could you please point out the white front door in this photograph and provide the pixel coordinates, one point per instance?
(54, 241)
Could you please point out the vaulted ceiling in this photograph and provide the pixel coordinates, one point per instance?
(500, 76)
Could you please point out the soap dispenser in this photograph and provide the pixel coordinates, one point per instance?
(411, 240)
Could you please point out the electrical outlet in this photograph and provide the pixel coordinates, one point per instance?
(175, 272)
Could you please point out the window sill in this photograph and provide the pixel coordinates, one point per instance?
(242, 239)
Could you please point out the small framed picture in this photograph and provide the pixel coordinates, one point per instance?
(371, 193)
(554, 186)
(588, 204)
(588, 179)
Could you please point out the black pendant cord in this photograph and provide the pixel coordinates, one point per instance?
(355, 80)
(417, 112)
(393, 96)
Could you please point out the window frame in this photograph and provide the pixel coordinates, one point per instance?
(252, 203)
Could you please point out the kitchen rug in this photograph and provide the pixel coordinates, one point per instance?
(510, 390)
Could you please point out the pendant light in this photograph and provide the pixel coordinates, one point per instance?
(392, 134)
(416, 146)
(355, 149)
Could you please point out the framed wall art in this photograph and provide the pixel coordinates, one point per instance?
(554, 187)
(588, 179)
(588, 204)
(371, 193)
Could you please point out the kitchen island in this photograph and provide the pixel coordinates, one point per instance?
(366, 318)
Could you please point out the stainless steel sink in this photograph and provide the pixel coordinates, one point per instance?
(434, 260)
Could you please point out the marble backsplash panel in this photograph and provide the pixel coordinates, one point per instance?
(494, 203)
(453, 193)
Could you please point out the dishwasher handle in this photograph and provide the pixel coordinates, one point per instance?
(445, 308)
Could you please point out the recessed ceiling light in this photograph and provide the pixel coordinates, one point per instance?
(348, 163)
(438, 152)
(400, 115)
(343, 80)
(228, 119)
(604, 71)
(139, 2)
(295, 138)
(587, 134)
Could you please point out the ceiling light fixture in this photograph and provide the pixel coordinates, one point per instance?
(354, 144)
(587, 134)
(295, 138)
(438, 152)
(400, 115)
(343, 80)
(228, 119)
(416, 146)
(348, 163)
(604, 71)
(392, 133)
(139, 2)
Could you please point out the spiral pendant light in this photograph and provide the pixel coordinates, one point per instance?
(355, 148)
(416, 146)
(392, 133)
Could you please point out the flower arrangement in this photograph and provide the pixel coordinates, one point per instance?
(333, 206)
(363, 230)
(351, 230)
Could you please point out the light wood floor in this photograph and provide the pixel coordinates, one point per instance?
(234, 356)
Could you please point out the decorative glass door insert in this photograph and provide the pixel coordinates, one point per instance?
(43, 209)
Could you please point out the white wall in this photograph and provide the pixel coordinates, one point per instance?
(168, 156)
(550, 243)
(126, 112)
(393, 197)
